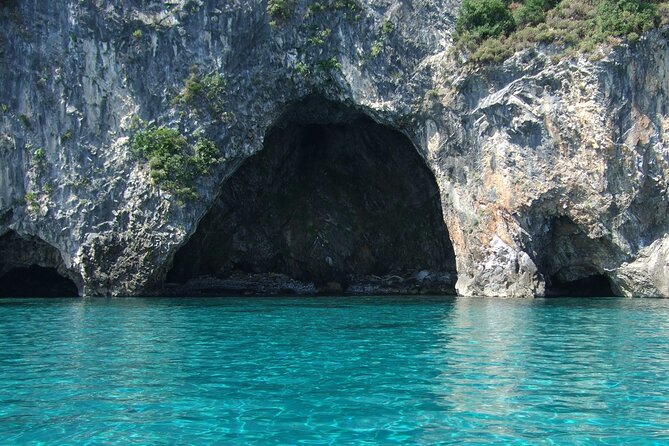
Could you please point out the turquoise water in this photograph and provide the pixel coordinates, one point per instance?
(334, 371)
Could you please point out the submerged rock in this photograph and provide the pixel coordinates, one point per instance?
(542, 171)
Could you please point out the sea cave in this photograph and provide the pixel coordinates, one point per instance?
(334, 203)
(29, 268)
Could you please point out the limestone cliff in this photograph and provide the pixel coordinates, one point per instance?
(549, 170)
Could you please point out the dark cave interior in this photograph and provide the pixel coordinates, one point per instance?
(571, 261)
(28, 268)
(36, 281)
(597, 285)
(334, 199)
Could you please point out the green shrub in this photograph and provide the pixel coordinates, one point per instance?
(174, 167)
(31, 200)
(484, 18)
(38, 156)
(622, 17)
(206, 155)
(375, 50)
(203, 92)
(280, 11)
(663, 13)
(316, 6)
(347, 6)
(302, 69)
(191, 90)
(214, 86)
(327, 65)
(492, 50)
(157, 141)
(319, 37)
(483, 29)
(387, 27)
(532, 12)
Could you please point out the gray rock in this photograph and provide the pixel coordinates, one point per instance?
(648, 274)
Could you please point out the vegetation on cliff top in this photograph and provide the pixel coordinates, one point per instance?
(492, 30)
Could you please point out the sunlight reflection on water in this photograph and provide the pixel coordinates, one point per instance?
(384, 370)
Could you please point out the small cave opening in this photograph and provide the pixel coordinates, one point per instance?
(596, 285)
(36, 281)
(572, 262)
(29, 268)
(334, 203)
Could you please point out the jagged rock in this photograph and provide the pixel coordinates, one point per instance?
(648, 274)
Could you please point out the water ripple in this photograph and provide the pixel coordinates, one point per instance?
(334, 371)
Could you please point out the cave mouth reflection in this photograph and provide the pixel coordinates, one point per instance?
(334, 203)
(596, 285)
(36, 281)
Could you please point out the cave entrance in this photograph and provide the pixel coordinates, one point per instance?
(573, 264)
(36, 281)
(596, 285)
(334, 203)
(29, 268)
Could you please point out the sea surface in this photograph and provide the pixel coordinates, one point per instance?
(334, 371)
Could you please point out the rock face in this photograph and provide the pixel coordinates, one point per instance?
(551, 173)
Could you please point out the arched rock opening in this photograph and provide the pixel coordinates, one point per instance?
(571, 262)
(29, 268)
(335, 202)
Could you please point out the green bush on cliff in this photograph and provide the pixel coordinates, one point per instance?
(481, 19)
(280, 11)
(532, 12)
(349, 6)
(663, 13)
(206, 155)
(203, 92)
(483, 30)
(621, 17)
(174, 165)
(39, 157)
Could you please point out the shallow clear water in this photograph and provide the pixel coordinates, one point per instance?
(334, 371)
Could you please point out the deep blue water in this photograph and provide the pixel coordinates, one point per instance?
(334, 371)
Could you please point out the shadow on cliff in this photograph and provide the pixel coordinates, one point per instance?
(334, 203)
